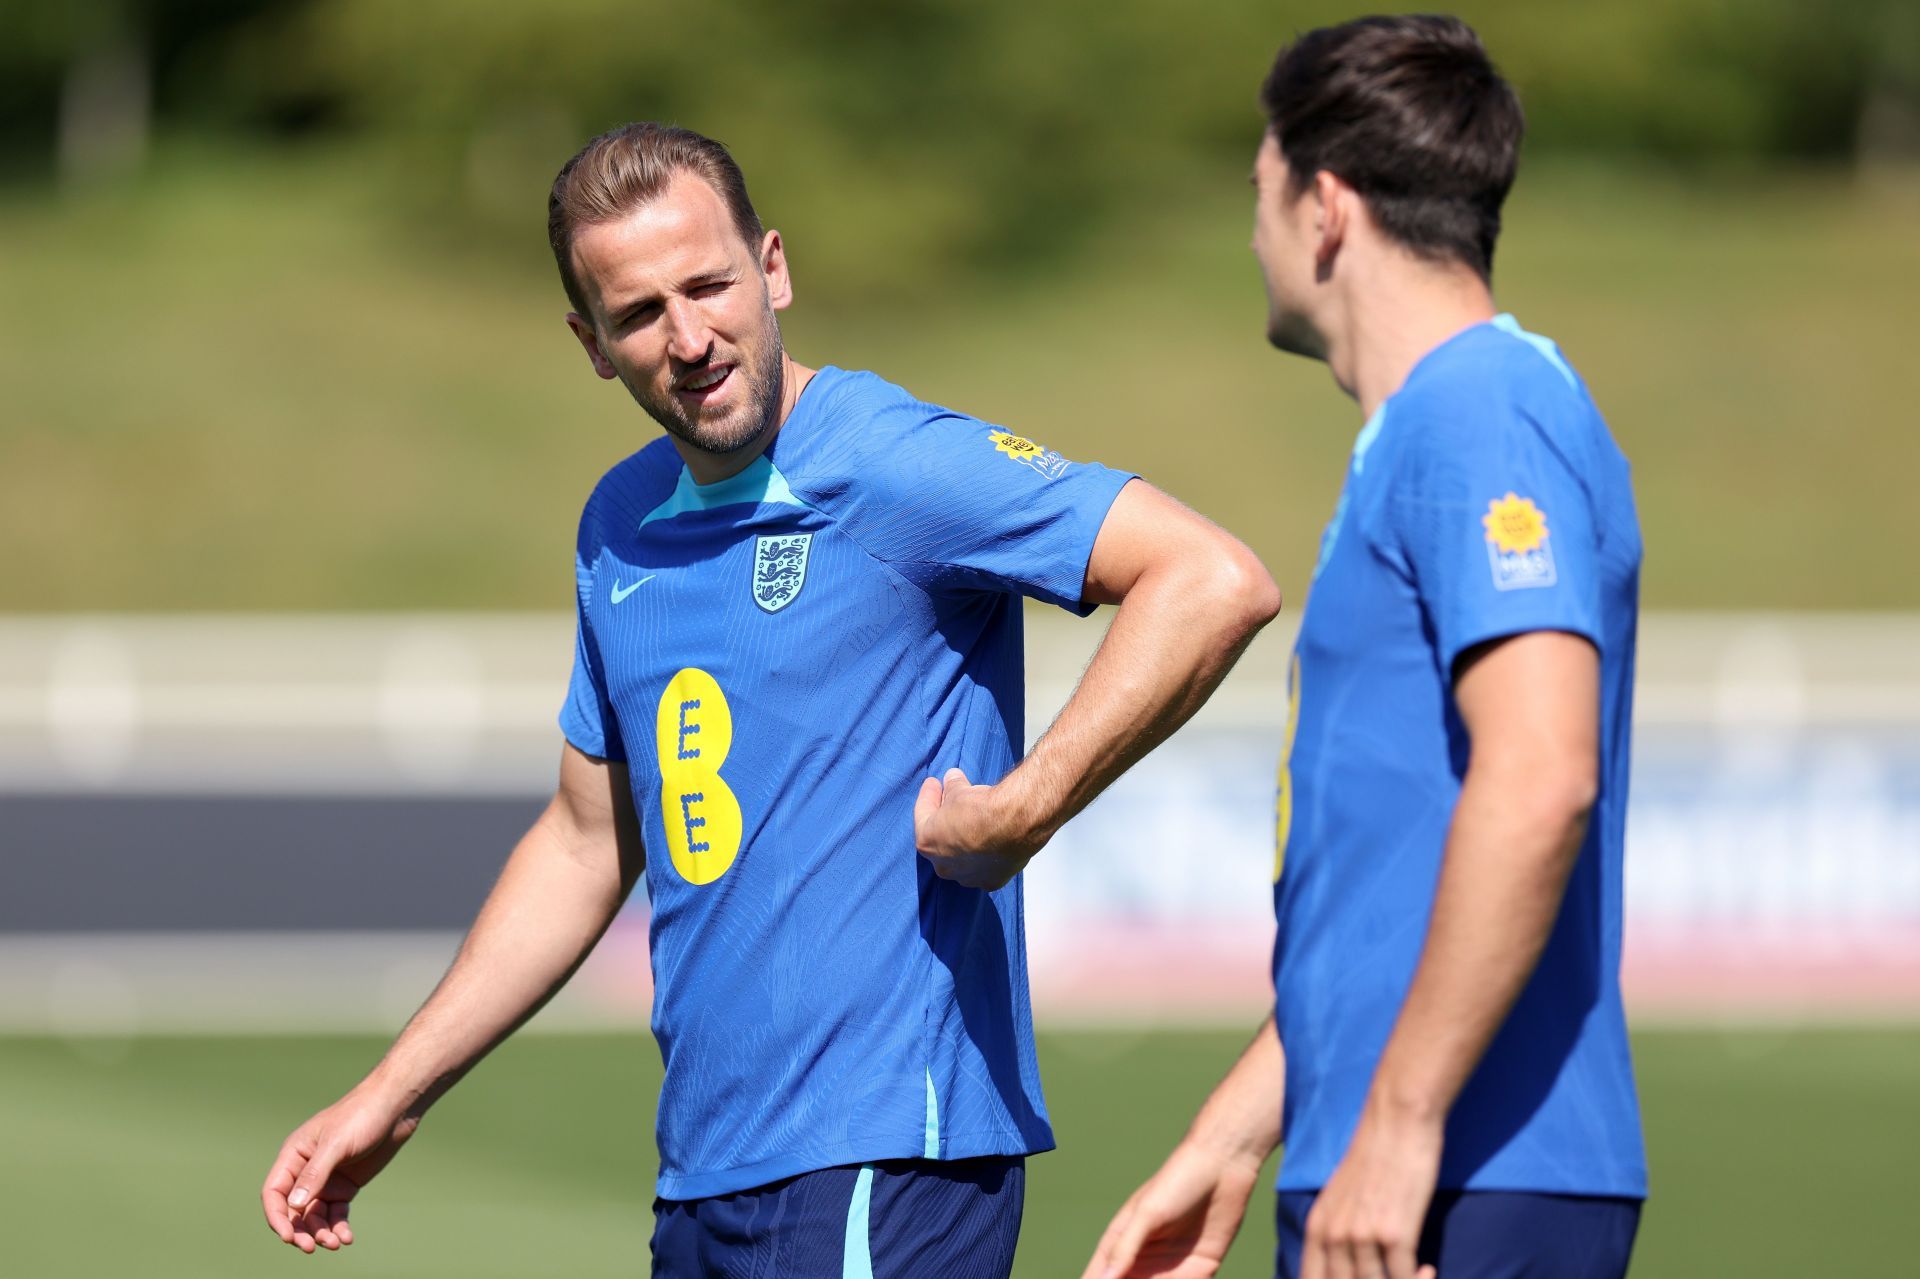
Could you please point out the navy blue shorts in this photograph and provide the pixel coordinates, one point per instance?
(957, 1219)
(1488, 1234)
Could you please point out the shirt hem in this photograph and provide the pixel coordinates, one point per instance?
(601, 749)
(1507, 628)
(729, 1181)
(1079, 606)
(1600, 1188)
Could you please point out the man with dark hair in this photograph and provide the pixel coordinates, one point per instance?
(1447, 1059)
(799, 638)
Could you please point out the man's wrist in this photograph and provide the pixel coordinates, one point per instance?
(392, 1086)
(1226, 1143)
(1026, 818)
(1401, 1107)
(1217, 1153)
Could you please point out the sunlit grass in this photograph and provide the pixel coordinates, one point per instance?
(1774, 1153)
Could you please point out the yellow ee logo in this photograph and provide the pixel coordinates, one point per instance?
(692, 732)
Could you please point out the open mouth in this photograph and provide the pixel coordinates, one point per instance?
(706, 385)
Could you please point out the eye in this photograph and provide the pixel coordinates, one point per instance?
(710, 288)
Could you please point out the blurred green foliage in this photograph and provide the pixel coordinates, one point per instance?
(949, 133)
(278, 294)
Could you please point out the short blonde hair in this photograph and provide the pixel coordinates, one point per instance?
(623, 169)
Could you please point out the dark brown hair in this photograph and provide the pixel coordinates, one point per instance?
(1411, 113)
(626, 167)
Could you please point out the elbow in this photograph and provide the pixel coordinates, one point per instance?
(1242, 591)
(1215, 584)
(1583, 795)
(1571, 837)
(1550, 798)
(1576, 811)
(1263, 594)
(1564, 802)
(1575, 789)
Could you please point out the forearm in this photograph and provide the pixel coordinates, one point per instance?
(551, 904)
(1177, 633)
(1190, 597)
(1509, 852)
(1241, 1117)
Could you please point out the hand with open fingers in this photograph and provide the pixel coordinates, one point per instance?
(968, 833)
(323, 1165)
(1366, 1221)
(1181, 1222)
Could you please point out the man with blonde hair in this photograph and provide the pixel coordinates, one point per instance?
(798, 661)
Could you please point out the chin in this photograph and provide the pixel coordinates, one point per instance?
(719, 437)
(730, 437)
(1292, 334)
(742, 426)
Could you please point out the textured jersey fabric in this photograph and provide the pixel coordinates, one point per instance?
(1484, 499)
(781, 658)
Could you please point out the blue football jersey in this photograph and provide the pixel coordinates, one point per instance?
(781, 658)
(1484, 499)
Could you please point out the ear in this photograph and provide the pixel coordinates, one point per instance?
(773, 265)
(583, 329)
(1332, 219)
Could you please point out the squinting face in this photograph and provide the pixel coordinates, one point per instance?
(1284, 243)
(683, 314)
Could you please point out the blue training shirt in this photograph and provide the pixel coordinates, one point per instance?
(781, 658)
(1485, 499)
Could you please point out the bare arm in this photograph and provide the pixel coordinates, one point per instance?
(1191, 598)
(1531, 705)
(560, 889)
(1182, 1221)
(1532, 708)
(1241, 1116)
(565, 881)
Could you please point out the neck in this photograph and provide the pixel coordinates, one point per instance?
(1391, 321)
(711, 468)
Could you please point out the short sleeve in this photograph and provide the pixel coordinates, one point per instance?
(587, 716)
(1499, 535)
(955, 503)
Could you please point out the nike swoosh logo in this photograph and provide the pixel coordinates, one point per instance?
(619, 594)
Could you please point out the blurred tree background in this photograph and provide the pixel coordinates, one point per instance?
(948, 133)
(279, 327)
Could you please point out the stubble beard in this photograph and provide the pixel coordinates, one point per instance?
(1290, 332)
(763, 371)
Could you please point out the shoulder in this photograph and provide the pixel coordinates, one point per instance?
(858, 412)
(835, 395)
(1495, 391)
(624, 495)
(866, 433)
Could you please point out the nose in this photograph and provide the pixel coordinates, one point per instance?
(689, 337)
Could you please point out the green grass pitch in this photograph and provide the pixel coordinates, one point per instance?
(1775, 1153)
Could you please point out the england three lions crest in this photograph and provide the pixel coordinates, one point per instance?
(779, 569)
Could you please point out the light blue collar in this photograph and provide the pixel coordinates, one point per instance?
(760, 483)
(1546, 346)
